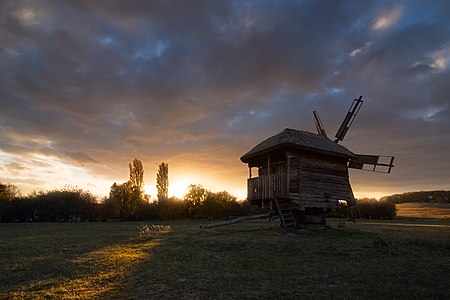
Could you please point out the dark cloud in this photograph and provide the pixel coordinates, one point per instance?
(198, 83)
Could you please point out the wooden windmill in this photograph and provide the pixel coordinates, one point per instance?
(302, 175)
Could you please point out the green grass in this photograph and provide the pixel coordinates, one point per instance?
(374, 260)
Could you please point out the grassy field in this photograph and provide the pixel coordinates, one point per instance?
(372, 260)
(424, 210)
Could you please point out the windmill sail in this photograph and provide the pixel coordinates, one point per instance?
(320, 129)
(354, 108)
(374, 163)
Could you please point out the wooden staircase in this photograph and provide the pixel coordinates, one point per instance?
(286, 217)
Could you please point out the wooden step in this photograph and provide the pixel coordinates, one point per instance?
(286, 217)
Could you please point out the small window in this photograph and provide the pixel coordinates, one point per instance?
(343, 203)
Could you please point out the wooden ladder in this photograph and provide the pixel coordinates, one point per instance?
(286, 216)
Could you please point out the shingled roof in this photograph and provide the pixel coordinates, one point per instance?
(300, 140)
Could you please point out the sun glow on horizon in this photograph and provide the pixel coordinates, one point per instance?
(179, 188)
(376, 195)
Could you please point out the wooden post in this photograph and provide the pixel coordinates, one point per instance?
(269, 188)
(287, 175)
(249, 172)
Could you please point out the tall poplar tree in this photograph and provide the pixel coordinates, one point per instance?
(137, 175)
(136, 183)
(162, 182)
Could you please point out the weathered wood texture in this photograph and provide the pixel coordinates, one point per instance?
(323, 182)
(309, 180)
(267, 187)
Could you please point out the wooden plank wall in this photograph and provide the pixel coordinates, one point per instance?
(315, 182)
(295, 176)
(307, 180)
(264, 187)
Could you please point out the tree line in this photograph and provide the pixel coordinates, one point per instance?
(422, 196)
(126, 201)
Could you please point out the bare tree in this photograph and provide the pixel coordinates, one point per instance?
(8, 191)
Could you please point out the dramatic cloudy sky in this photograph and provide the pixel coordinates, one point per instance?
(87, 86)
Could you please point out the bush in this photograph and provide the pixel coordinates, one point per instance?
(371, 208)
(69, 204)
(171, 209)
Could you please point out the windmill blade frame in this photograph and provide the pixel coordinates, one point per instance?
(373, 163)
(348, 120)
(319, 126)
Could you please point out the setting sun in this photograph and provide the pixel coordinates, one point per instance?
(179, 188)
(150, 190)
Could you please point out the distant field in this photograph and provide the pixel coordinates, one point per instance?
(366, 260)
(424, 210)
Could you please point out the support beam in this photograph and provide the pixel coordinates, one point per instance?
(237, 220)
(288, 170)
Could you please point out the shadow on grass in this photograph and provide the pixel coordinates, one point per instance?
(86, 273)
(260, 260)
(242, 261)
